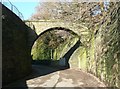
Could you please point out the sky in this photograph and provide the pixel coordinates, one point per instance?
(26, 8)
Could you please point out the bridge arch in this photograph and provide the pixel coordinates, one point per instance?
(68, 54)
(42, 26)
(55, 28)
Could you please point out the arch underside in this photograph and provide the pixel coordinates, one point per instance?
(70, 51)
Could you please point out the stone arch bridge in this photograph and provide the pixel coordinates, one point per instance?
(17, 37)
(43, 25)
(80, 30)
(16, 57)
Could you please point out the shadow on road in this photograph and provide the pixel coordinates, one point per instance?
(41, 70)
(70, 52)
(37, 71)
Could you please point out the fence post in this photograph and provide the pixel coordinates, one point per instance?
(11, 7)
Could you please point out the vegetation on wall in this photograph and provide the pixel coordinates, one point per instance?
(100, 52)
(103, 50)
(108, 59)
(53, 45)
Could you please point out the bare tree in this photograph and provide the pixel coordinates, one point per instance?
(71, 11)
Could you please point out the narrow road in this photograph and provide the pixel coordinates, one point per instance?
(43, 76)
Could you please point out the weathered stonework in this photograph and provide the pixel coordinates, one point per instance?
(101, 56)
(43, 25)
(106, 61)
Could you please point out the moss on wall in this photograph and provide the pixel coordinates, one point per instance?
(100, 52)
(63, 48)
(42, 51)
(103, 52)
